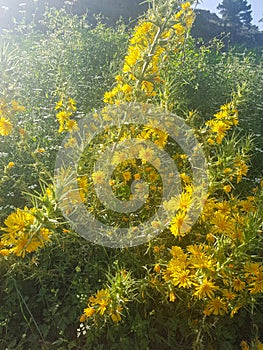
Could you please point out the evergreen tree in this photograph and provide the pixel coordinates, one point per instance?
(236, 13)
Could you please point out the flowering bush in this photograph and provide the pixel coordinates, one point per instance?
(196, 284)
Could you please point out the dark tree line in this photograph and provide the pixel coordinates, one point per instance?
(236, 16)
(33, 9)
(235, 24)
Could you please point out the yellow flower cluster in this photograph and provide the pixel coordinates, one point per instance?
(222, 122)
(101, 304)
(23, 233)
(254, 277)
(218, 286)
(6, 112)
(228, 218)
(156, 135)
(108, 302)
(210, 271)
(149, 47)
(66, 109)
(181, 223)
(208, 275)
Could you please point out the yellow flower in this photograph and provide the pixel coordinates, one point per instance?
(180, 225)
(172, 297)
(171, 205)
(126, 175)
(247, 206)
(110, 95)
(244, 345)
(220, 128)
(133, 55)
(118, 78)
(147, 154)
(22, 132)
(178, 253)
(161, 138)
(4, 252)
(82, 318)
(241, 170)
(221, 223)
(166, 34)
(83, 187)
(141, 32)
(195, 250)
(116, 317)
(227, 170)
(178, 14)
(238, 285)
(10, 165)
(72, 142)
(176, 265)
(5, 127)
(59, 105)
(40, 150)
(126, 68)
(72, 125)
(98, 177)
(18, 221)
(210, 141)
(216, 307)
(44, 235)
(148, 87)
(157, 268)
(198, 258)
(186, 178)
(71, 104)
(25, 244)
(185, 201)
(223, 207)
(227, 188)
(179, 29)
(16, 107)
(206, 289)
(182, 279)
(100, 300)
(189, 18)
(63, 116)
(89, 312)
(257, 285)
(228, 294)
(126, 88)
(186, 5)
(253, 269)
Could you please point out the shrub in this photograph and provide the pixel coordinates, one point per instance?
(195, 285)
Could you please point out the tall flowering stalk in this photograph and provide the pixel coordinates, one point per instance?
(162, 32)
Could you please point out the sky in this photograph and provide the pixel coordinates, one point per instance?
(256, 7)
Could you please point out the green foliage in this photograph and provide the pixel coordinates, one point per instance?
(70, 59)
(200, 79)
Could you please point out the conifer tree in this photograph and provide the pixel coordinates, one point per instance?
(236, 13)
